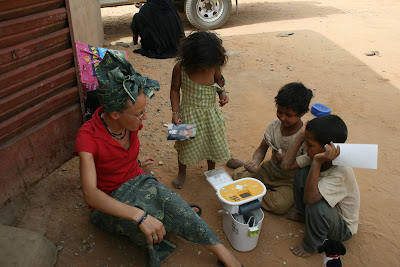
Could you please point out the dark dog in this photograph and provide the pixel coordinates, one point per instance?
(333, 249)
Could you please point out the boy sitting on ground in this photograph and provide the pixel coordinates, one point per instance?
(292, 102)
(326, 197)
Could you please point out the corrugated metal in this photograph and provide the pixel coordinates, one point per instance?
(39, 83)
(21, 8)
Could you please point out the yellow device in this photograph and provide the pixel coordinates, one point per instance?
(241, 191)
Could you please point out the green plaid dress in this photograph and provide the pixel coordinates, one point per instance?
(198, 106)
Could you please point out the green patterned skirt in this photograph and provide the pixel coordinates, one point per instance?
(146, 193)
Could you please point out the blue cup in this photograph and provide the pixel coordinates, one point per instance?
(319, 110)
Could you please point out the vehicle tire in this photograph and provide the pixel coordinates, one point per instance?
(208, 14)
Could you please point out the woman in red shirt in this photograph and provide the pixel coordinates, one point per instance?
(123, 198)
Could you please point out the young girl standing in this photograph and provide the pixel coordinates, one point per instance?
(198, 75)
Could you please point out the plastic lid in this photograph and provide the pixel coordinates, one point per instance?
(319, 110)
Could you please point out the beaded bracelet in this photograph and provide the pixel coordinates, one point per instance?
(144, 216)
(176, 112)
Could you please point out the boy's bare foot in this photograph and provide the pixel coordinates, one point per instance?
(179, 181)
(299, 251)
(235, 163)
(295, 216)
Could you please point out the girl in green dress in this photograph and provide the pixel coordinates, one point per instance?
(197, 74)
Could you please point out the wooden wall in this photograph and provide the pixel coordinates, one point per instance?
(86, 20)
(40, 104)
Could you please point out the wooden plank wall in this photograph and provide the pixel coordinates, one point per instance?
(86, 16)
(39, 84)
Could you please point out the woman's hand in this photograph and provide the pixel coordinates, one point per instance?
(251, 166)
(138, 5)
(135, 39)
(146, 161)
(223, 99)
(176, 118)
(153, 229)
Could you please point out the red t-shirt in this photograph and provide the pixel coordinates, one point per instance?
(114, 164)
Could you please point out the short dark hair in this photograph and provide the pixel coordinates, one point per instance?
(201, 49)
(328, 128)
(294, 96)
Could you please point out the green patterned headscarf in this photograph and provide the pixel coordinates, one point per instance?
(118, 81)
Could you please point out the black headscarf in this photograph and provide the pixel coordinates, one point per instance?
(160, 29)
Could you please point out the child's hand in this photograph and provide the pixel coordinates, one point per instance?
(176, 118)
(279, 155)
(146, 161)
(251, 166)
(331, 152)
(303, 129)
(223, 99)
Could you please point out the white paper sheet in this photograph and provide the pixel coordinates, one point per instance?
(218, 177)
(357, 156)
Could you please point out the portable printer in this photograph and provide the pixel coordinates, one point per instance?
(241, 202)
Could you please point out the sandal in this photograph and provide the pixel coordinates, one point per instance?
(196, 207)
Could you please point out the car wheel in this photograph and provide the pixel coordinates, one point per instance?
(207, 14)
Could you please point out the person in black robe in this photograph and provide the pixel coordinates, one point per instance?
(160, 29)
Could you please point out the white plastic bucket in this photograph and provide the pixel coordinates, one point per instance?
(242, 235)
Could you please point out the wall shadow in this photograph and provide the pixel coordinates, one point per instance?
(249, 13)
(262, 63)
(260, 12)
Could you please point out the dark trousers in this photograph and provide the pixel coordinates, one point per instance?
(322, 221)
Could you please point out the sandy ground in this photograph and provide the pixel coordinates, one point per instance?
(326, 53)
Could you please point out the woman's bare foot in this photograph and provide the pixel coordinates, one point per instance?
(235, 163)
(299, 251)
(224, 255)
(179, 181)
(295, 216)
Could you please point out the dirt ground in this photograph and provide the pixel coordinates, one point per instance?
(326, 53)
